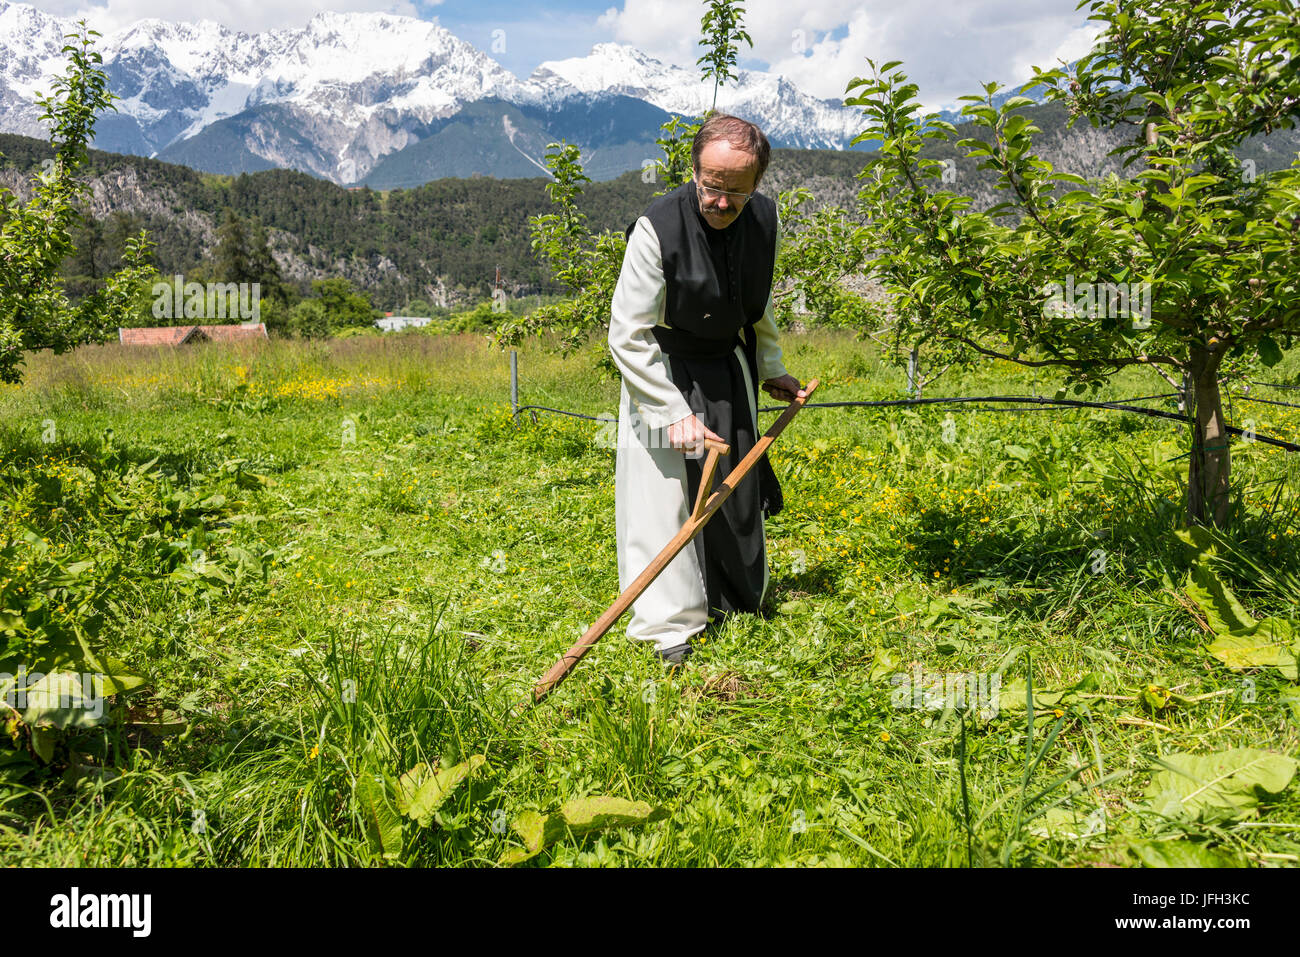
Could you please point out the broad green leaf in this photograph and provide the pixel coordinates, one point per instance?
(65, 700)
(1241, 641)
(1011, 697)
(1179, 853)
(1012, 694)
(595, 813)
(531, 828)
(953, 646)
(1198, 539)
(1064, 824)
(380, 552)
(1017, 452)
(113, 677)
(421, 790)
(1271, 644)
(1269, 353)
(43, 742)
(382, 823)
(1221, 786)
(884, 664)
(1221, 609)
(577, 817)
(1291, 697)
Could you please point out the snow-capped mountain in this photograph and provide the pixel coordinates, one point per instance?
(346, 96)
(788, 117)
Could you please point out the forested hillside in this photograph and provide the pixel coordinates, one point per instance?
(442, 242)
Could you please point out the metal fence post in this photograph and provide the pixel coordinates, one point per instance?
(514, 386)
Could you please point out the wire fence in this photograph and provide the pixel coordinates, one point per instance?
(1036, 404)
(1275, 385)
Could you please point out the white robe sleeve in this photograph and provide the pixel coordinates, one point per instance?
(767, 336)
(639, 304)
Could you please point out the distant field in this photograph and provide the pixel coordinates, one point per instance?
(338, 565)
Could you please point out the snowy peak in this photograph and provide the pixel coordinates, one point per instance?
(345, 90)
(788, 116)
(615, 68)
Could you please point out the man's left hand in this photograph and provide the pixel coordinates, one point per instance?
(786, 388)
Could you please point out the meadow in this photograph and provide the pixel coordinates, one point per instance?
(336, 567)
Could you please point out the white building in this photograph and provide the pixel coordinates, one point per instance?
(393, 323)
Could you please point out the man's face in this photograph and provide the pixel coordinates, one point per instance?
(722, 166)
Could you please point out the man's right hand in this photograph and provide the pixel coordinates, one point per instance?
(688, 434)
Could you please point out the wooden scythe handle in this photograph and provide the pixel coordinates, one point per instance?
(706, 479)
(703, 511)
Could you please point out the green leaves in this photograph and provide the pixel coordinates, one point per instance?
(721, 27)
(383, 825)
(576, 818)
(1240, 641)
(35, 237)
(1269, 352)
(1014, 694)
(417, 796)
(422, 790)
(1191, 223)
(1217, 787)
(1179, 853)
(588, 264)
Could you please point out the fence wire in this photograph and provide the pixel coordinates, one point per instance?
(1038, 404)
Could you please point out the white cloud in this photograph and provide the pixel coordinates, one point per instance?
(249, 16)
(948, 47)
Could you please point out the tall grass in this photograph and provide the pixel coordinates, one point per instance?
(393, 590)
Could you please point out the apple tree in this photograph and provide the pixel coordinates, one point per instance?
(1187, 267)
(36, 236)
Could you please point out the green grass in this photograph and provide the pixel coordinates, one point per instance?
(380, 594)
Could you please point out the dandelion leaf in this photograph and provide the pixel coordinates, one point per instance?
(1179, 853)
(1219, 786)
(1241, 641)
(1270, 645)
(1221, 609)
(421, 790)
(884, 664)
(577, 817)
(382, 823)
(1199, 541)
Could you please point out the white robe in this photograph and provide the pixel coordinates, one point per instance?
(650, 497)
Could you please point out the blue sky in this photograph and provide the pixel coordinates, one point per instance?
(949, 47)
(534, 32)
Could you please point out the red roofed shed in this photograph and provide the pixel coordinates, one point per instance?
(179, 335)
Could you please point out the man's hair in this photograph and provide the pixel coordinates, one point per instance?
(741, 134)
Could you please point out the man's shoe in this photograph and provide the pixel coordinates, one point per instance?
(675, 655)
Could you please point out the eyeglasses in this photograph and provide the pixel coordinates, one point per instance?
(735, 199)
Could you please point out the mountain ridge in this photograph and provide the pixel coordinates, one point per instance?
(345, 94)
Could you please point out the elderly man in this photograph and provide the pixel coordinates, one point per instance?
(692, 331)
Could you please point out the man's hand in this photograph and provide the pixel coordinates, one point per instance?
(688, 434)
(786, 388)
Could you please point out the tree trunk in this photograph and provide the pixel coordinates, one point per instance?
(1211, 463)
